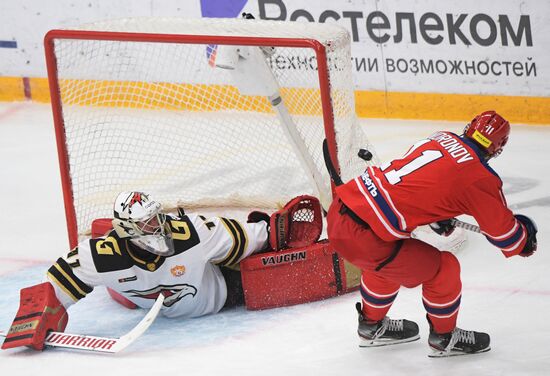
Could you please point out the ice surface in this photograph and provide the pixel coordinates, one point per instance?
(510, 299)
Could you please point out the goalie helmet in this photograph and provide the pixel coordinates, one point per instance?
(490, 131)
(138, 217)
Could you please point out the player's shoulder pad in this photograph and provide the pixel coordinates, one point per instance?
(109, 253)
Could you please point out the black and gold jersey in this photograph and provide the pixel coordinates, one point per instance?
(190, 278)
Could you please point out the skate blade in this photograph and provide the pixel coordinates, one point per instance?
(363, 342)
(443, 354)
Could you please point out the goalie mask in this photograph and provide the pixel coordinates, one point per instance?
(490, 131)
(138, 217)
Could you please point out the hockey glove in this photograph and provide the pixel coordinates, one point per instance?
(257, 217)
(531, 244)
(39, 312)
(443, 228)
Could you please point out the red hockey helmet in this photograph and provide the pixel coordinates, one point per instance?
(490, 131)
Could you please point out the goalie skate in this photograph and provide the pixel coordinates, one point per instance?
(385, 332)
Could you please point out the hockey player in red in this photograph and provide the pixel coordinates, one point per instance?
(372, 216)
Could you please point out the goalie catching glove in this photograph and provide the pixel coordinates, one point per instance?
(297, 224)
(39, 312)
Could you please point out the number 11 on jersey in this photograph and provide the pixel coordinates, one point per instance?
(394, 175)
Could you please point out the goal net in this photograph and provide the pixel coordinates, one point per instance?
(148, 104)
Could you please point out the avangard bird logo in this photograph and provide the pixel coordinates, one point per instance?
(172, 294)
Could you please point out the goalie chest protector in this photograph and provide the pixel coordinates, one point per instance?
(294, 276)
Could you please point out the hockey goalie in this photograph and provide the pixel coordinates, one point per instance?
(189, 259)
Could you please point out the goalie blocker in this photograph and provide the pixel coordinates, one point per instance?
(39, 312)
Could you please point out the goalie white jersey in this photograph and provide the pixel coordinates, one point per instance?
(190, 279)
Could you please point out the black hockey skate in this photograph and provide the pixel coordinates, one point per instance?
(385, 332)
(457, 342)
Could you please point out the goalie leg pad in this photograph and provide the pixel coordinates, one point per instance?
(39, 312)
(294, 276)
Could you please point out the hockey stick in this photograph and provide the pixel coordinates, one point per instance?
(330, 166)
(467, 226)
(364, 154)
(103, 344)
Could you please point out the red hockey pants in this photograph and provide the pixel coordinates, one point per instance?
(416, 263)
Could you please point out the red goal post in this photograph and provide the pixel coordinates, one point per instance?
(105, 89)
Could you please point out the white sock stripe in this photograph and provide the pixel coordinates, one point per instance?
(443, 304)
(370, 292)
(445, 316)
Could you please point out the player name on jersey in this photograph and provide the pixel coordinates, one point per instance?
(453, 146)
(369, 184)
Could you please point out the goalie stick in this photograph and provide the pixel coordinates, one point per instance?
(103, 344)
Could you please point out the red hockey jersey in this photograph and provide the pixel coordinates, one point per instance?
(438, 178)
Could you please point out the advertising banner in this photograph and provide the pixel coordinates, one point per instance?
(422, 47)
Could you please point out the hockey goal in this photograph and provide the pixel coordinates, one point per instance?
(179, 108)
